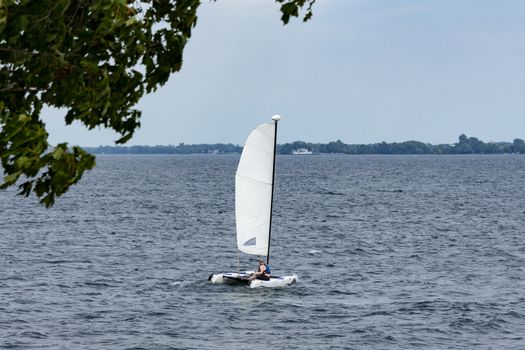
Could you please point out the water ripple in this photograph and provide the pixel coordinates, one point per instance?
(398, 252)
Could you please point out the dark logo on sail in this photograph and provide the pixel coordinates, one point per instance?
(251, 242)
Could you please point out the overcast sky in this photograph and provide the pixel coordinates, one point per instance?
(360, 71)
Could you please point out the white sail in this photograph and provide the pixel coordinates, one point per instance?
(253, 191)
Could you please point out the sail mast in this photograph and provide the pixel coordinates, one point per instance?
(276, 119)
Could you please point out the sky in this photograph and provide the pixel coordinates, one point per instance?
(359, 71)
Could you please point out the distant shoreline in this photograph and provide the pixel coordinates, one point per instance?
(466, 145)
(312, 155)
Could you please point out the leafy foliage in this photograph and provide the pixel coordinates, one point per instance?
(291, 8)
(96, 59)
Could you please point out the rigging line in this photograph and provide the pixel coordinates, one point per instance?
(238, 260)
(273, 186)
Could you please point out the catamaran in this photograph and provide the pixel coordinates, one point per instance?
(254, 184)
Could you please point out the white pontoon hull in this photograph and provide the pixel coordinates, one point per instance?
(241, 278)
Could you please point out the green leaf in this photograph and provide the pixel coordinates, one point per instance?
(23, 162)
(48, 200)
(58, 153)
(11, 178)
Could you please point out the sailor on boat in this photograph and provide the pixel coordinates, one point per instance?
(263, 272)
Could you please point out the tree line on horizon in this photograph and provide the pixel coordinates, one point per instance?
(465, 145)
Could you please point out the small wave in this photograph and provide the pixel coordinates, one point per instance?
(330, 193)
(182, 283)
(515, 314)
(313, 251)
(157, 313)
(378, 313)
(89, 316)
(415, 256)
(58, 262)
(341, 292)
(358, 251)
(13, 278)
(319, 309)
(33, 334)
(333, 335)
(52, 262)
(97, 284)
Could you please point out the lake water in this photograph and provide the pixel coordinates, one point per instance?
(392, 252)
